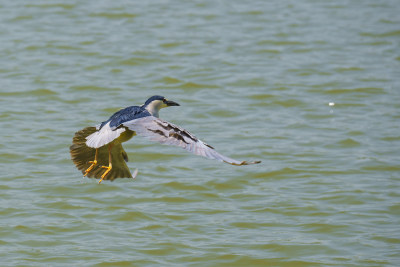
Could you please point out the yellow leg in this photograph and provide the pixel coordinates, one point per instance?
(109, 167)
(94, 162)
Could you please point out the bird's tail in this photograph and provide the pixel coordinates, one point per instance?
(81, 154)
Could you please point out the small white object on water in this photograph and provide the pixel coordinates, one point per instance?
(331, 104)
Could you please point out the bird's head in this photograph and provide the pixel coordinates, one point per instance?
(155, 103)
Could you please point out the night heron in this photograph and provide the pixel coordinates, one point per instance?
(98, 153)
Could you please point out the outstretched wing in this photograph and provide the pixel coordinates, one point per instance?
(167, 133)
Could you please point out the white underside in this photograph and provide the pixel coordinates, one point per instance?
(103, 137)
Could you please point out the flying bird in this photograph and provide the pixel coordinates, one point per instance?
(98, 152)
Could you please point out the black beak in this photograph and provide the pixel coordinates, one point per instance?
(170, 103)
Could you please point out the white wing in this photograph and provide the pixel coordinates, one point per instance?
(167, 133)
(103, 136)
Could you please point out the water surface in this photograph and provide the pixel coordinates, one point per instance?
(254, 79)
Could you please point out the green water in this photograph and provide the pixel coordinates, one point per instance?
(254, 79)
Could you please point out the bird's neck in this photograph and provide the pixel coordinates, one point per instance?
(153, 108)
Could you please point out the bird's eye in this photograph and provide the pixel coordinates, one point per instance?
(164, 100)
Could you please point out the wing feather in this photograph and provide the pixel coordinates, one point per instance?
(167, 133)
(81, 154)
(103, 136)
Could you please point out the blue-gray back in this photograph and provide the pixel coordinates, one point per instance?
(124, 115)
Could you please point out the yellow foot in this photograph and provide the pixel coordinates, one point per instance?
(108, 169)
(94, 163)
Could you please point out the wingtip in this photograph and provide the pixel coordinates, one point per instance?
(250, 162)
(135, 173)
(243, 163)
